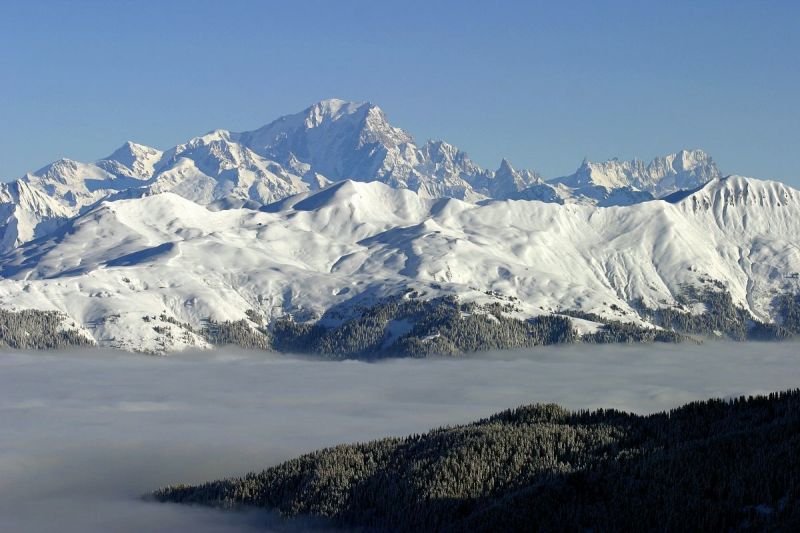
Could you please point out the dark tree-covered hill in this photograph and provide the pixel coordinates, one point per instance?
(715, 465)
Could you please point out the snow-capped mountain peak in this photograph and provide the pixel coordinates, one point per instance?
(334, 109)
(609, 174)
(138, 158)
(522, 178)
(505, 167)
(734, 192)
(340, 140)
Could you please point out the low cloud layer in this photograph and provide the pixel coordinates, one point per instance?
(85, 434)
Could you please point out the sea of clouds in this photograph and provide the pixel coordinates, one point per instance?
(83, 435)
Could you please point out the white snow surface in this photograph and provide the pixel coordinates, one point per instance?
(353, 243)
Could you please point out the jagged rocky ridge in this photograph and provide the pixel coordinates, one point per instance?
(326, 143)
(660, 177)
(717, 465)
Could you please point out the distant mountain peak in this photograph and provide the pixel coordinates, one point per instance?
(140, 159)
(734, 190)
(505, 167)
(688, 159)
(61, 164)
(685, 169)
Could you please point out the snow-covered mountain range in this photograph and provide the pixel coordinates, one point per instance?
(327, 211)
(329, 142)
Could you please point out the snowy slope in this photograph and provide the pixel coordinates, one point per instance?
(354, 242)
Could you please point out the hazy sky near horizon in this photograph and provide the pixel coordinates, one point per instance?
(543, 84)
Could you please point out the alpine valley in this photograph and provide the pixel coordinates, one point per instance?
(333, 232)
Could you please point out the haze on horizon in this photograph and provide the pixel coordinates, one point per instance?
(541, 84)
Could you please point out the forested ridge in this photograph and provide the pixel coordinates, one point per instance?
(716, 465)
(440, 326)
(412, 327)
(723, 317)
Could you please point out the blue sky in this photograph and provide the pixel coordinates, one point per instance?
(543, 84)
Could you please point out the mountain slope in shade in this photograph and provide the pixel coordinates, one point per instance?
(353, 243)
(328, 142)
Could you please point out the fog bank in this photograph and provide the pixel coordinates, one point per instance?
(85, 434)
